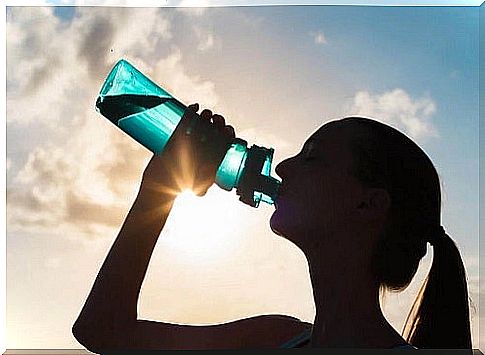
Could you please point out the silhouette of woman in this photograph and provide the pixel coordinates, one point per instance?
(361, 200)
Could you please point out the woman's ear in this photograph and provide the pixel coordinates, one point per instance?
(375, 202)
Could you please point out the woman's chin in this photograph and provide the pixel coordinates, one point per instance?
(278, 223)
(274, 223)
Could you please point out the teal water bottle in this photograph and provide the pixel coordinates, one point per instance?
(150, 115)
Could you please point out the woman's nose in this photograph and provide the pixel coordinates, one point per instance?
(283, 168)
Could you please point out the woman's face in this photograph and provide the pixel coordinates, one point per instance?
(319, 197)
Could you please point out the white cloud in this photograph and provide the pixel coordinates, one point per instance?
(205, 36)
(32, 60)
(53, 71)
(172, 74)
(318, 37)
(84, 174)
(399, 109)
(77, 186)
(206, 42)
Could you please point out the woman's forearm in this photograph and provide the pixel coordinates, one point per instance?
(112, 303)
(111, 307)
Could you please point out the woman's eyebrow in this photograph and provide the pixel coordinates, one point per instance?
(311, 143)
(313, 146)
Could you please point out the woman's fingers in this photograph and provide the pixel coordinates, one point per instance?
(206, 115)
(196, 151)
(217, 120)
(229, 131)
(193, 107)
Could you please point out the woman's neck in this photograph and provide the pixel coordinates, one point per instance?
(348, 313)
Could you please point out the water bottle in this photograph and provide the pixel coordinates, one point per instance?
(150, 115)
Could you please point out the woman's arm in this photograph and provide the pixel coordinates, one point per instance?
(111, 307)
(110, 310)
(109, 319)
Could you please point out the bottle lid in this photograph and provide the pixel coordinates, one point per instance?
(255, 183)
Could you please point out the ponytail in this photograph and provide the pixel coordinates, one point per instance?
(439, 317)
(386, 158)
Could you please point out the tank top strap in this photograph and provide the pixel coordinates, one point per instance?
(405, 347)
(298, 340)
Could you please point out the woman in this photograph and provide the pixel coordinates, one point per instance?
(361, 200)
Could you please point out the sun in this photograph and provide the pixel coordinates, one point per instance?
(205, 228)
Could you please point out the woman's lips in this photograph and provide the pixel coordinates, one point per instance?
(281, 192)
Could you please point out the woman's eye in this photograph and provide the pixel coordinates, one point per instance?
(309, 157)
(308, 153)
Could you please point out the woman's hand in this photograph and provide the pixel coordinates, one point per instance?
(192, 155)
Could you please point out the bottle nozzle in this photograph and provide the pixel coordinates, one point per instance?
(256, 184)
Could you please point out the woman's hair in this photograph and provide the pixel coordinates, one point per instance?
(386, 158)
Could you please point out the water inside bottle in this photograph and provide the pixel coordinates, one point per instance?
(149, 119)
(119, 106)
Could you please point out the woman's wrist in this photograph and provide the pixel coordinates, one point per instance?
(155, 196)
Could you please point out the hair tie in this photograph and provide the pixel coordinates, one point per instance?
(435, 235)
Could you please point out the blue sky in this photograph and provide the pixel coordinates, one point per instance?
(277, 74)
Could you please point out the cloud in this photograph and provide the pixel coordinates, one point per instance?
(31, 61)
(111, 33)
(172, 74)
(318, 37)
(399, 109)
(80, 186)
(66, 188)
(85, 172)
(50, 64)
(206, 39)
(208, 43)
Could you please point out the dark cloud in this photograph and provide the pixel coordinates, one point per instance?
(32, 222)
(45, 168)
(35, 45)
(46, 192)
(80, 211)
(128, 166)
(42, 74)
(32, 43)
(95, 45)
(23, 198)
(25, 210)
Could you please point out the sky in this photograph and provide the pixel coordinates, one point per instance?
(276, 73)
